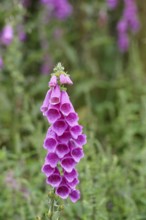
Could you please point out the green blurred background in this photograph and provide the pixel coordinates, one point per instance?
(109, 94)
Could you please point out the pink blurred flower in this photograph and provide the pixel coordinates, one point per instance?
(7, 35)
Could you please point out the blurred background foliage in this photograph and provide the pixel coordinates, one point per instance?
(109, 94)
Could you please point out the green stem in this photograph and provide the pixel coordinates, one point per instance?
(52, 206)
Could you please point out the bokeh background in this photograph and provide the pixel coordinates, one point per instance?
(102, 45)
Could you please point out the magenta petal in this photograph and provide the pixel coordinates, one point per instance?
(72, 119)
(65, 137)
(69, 81)
(68, 164)
(64, 97)
(63, 181)
(53, 115)
(65, 79)
(77, 154)
(63, 191)
(73, 184)
(54, 180)
(51, 133)
(70, 176)
(76, 131)
(66, 106)
(62, 150)
(50, 144)
(53, 81)
(55, 95)
(56, 171)
(74, 195)
(81, 140)
(52, 159)
(56, 106)
(45, 104)
(72, 144)
(47, 169)
(59, 127)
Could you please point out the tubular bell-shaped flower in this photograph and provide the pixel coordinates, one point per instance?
(64, 139)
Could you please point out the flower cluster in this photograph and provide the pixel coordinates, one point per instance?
(128, 22)
(64, 138)
(60, 8)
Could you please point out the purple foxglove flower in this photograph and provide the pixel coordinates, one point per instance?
(1, 63)
(59, 127)
(72, 144)
(65, 79)
(68, 164)
(122, 26)
(62, 150)
(53, 115)
(73, 184)
(72, 119)
(66, 106)
(52, 159)
(69, 81)
(76, 131)
(81, 140)
(55, 95)
(53, 81)
(47, 169)
(130, 14)
(63, 191)
(45, 104)
(50, 132)
(134, 24)
(62, 9)
(50, 143)
(70, 176)
(77, 154)
(128, 22)
(65, 137)
(64, 141)
(54, 180)
(74, 195)
(7, 35)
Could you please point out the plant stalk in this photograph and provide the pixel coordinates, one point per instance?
(52, 206)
